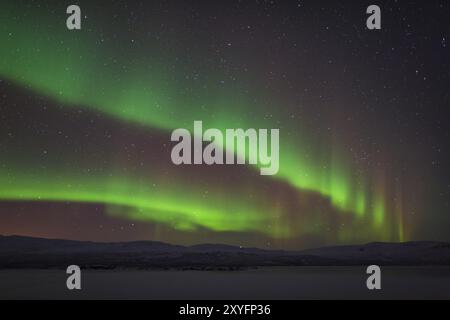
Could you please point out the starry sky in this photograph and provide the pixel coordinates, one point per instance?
(86, 118)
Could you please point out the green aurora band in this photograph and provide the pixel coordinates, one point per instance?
(77, 68)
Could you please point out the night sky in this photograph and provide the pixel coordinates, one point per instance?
(86, 118)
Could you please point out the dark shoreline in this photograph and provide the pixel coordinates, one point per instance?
(36, 253)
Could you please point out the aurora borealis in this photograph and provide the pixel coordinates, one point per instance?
(86, 118)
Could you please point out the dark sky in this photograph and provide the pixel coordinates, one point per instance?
(86, 117)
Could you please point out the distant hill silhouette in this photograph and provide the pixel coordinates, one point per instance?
(18, 252)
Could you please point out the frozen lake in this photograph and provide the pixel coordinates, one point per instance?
(263, 283)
